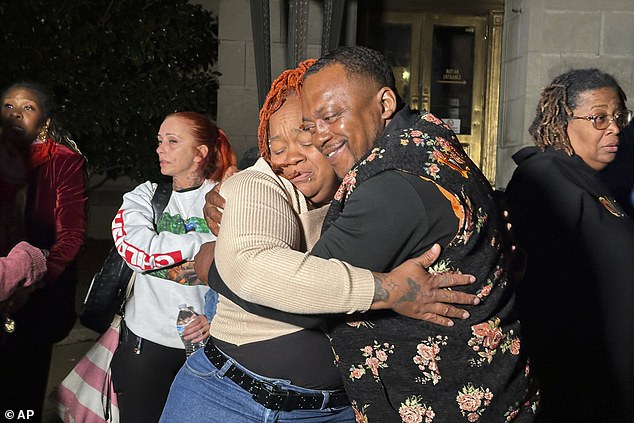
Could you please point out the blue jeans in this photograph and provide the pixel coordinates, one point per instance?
(201, 393)
(211, 302)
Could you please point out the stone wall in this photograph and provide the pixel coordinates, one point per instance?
(542, 39)
(237, 97)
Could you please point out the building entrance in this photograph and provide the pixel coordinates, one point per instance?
(448, 64)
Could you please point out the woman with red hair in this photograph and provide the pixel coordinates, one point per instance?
(195, 153)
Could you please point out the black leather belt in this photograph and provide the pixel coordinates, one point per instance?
(271, 396)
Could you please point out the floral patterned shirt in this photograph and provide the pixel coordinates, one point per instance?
(399, 369)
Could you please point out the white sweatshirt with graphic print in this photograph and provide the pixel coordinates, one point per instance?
(157, 255)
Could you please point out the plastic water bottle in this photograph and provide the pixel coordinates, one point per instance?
(185, 316)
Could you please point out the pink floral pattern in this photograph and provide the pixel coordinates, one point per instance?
(497, 278)
(442, 151)
(486, 339)
(359, 413)
(466, 225)
(427, 358)
(433, 119)
(374, 153)
(485, 290)
(433, 170)
(349, 182)
(472, 221)
(348, 185)
(416, 369)
(473, 401)
(376, 357)
(531, 404)
(413, 410)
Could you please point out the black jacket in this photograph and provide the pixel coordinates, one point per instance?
(576, 302)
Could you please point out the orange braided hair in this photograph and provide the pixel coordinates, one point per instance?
(289, 81)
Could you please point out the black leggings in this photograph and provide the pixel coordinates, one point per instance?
(142, 380)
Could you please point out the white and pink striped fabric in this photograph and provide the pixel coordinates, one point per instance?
(86, 395)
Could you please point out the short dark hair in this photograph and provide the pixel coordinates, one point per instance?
(360, 61)
(46, 101)
(45, 98)
(559, 98)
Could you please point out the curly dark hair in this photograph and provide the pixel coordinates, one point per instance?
(43, 94)
(559, 98)
(360, 61)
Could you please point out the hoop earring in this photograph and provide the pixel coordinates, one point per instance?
(43, 135)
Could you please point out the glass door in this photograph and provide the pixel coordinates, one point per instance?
(439, 62)
(453, 76)
(401, 44)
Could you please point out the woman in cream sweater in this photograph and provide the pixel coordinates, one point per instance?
(262, 364)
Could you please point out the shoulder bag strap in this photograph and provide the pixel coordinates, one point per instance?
(160, 199)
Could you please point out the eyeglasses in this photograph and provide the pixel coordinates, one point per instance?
(601, 122)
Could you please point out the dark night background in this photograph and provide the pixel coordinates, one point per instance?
(117, 67)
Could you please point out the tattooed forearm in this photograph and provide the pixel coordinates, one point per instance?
(380, 293)
(385, 287)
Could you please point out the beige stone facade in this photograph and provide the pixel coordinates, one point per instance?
(541, 38)
(544, 38)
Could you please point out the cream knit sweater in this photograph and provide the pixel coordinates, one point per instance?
(260, 255)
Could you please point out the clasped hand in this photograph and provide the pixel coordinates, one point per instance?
(410, 290)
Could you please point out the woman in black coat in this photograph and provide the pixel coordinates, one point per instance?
(576, 299)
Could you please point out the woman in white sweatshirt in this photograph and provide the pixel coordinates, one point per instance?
(195, 154)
